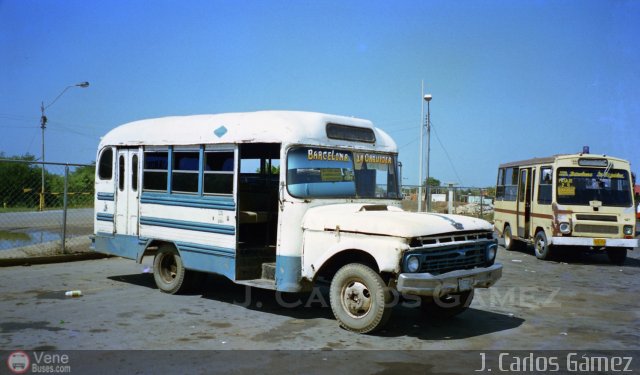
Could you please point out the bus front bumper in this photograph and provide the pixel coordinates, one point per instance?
(426, 284)
(595, 242)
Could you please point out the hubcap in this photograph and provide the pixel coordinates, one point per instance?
(169, 268)
(540, 245)
(356, 299)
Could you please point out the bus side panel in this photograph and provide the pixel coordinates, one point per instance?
(104, 200)
(119, 245)
(207, 259)
(288, 273)
(202, 228)
(505, 214)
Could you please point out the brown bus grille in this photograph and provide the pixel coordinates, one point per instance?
(597, 217)
(603, 229)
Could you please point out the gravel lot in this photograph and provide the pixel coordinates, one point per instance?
(572, 303)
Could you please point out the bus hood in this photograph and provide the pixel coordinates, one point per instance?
(387, 220)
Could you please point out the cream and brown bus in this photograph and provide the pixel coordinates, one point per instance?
(581, 201)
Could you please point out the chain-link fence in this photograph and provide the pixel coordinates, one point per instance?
(468, 201)
(48, 207)
(45, 208)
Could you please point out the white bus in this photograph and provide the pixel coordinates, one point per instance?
(577, 201)
(279, 200)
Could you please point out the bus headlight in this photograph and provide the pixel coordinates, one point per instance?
(628, 230)
(413, 263)
(565, 228)
(492, 249)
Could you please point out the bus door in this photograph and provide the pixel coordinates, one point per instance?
(525, 184)
(127, 191)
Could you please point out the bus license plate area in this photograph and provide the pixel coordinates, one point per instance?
(599, 242)
(465, 284)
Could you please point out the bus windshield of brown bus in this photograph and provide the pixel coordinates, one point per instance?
(579, 186)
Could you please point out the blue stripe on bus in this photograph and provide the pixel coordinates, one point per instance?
(105, 196)
(101, 216)
(208, 250)
(215, 203)
(188, 225)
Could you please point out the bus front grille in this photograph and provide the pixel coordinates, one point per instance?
(450, 258)
(611, 218)
(600, 229)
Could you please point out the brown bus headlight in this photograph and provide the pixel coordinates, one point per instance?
(628, 230)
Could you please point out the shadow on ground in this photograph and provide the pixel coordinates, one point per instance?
(407, 318)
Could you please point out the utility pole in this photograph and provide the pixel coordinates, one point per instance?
(43, 126)
(421, 152)
(427, 194)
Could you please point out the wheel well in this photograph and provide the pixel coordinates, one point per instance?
(504, 228)
(538, 229)
(333, 264)
(153, 246)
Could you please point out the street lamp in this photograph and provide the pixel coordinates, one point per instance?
(43, 125)
(427, 98)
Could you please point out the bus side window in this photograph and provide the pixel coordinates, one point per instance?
(121, 173)
(134, 172)
(218, 172)
(500, 185)
(544, 189)
(155, 171)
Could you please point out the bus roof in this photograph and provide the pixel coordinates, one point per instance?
(248, 127)
(554, 158)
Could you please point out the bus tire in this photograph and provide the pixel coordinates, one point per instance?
(168, 270)
(509, 243)
(448, 306)
(359, 299)
(617, 255)
(541, 246)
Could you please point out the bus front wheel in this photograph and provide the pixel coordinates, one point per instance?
(509, 243)
(542, 246)
(168, 270)
(359, 298)
(617, 255)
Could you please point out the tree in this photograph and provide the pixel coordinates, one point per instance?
(18, 181)
(433, 182)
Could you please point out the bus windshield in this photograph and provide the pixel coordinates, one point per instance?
(314, 172)
(579, 186)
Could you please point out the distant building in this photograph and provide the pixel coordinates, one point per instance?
(477, 199)
(438, 197)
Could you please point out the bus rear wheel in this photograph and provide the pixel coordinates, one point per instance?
(541, 246)
(359, 298)
(168, 270)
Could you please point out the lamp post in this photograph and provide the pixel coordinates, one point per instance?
(43, 125)
(427, 98)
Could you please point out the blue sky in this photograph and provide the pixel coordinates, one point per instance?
(510, 80)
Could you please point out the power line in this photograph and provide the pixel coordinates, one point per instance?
(447, 154)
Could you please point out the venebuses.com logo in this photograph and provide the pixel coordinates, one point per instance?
(18, 362)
